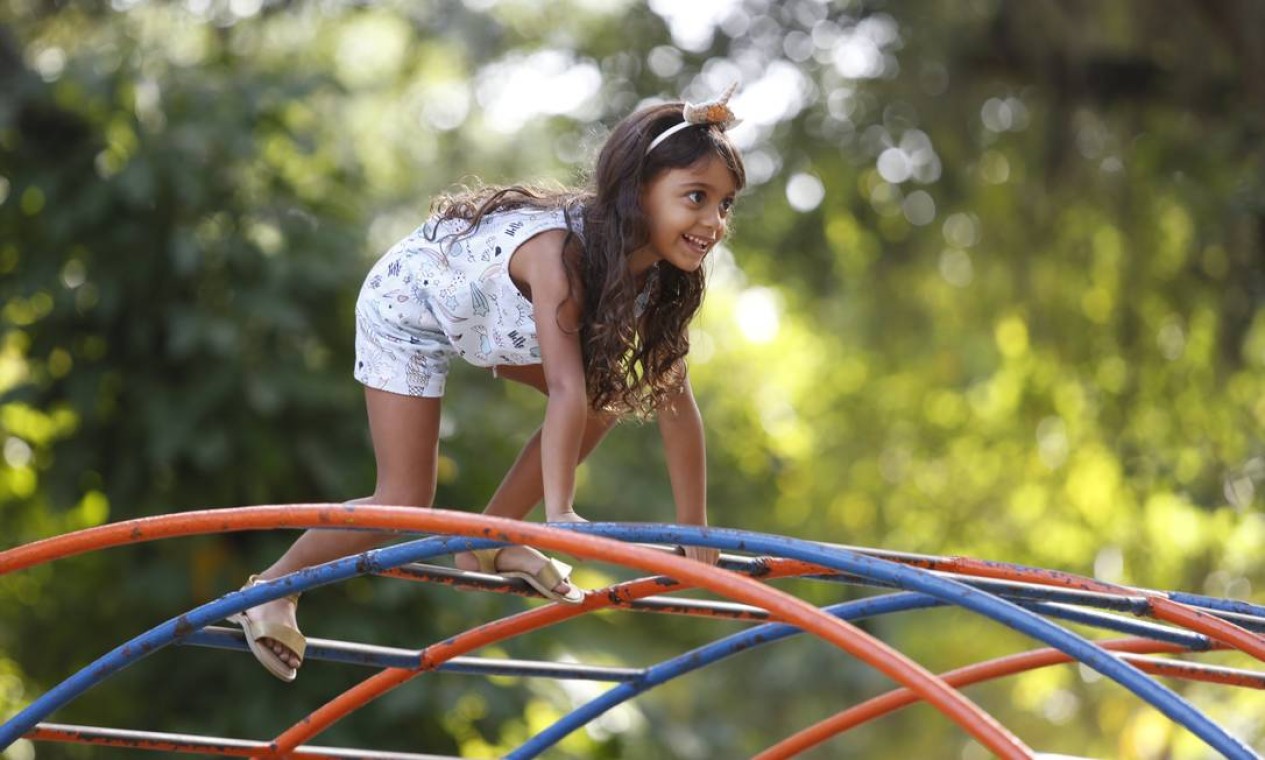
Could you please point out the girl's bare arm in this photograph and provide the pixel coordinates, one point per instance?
(681, 426)
(538, 264)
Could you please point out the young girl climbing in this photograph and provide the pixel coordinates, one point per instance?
(583, 295)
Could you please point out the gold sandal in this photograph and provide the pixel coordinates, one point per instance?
(545, 580)
(285, 635)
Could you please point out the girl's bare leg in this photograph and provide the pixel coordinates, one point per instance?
(405, 432)
(523, 486)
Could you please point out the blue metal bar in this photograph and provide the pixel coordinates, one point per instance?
(198, 618)
(1196, 642)
(1243, 614)
(1138, 605)
(952, 592)
(1213, 603)
(1017, 590)
(1236, 606)
(706, 655)
(768, 633)
(179, 628)
(839, 559)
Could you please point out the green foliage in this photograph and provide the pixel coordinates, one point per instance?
(995, 290)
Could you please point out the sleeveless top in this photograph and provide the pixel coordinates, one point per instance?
(460, 287)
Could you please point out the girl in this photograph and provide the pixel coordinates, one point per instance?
(585, 296)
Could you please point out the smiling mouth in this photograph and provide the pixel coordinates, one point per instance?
(701, 245)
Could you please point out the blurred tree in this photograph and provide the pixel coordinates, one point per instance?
(1000, 268)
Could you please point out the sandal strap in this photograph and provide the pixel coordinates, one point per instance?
(487, 558)
(553, 573)
(283, 634)
(255, 580)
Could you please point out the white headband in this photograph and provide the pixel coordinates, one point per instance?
(713, 112)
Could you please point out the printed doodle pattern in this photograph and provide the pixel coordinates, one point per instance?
(427, 300)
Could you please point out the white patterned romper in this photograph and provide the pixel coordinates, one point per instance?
(430, 298)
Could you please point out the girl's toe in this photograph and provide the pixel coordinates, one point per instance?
(285, 655)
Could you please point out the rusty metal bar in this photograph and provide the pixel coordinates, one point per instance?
(482, 531)
(351, 653)
(202, 745)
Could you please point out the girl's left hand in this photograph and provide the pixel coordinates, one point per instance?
(703, 554)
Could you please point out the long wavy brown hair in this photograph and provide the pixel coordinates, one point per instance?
(633, 357)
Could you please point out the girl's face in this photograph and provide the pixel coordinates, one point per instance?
(687, 212)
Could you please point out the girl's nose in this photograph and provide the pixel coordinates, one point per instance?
(715, 221)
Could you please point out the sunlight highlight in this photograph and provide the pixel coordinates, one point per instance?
(550, 82)
(758, 315)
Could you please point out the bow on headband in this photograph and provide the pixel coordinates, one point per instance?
(712, 112)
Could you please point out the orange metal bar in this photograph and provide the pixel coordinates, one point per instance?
(797, 612)
(781, 607)
(1164, 608)
(384, 681)
(1197, 620)
(1007, 571)
(491, 633)
(205, 745)
(971, 674)
(1191, 671)
(194, 523)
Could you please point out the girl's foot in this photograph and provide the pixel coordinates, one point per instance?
(514, 559)
(280, 612)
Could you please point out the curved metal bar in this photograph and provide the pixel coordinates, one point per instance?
(1160, 603)
(1222, 630)
(1016, 591)
(705, 655)
(971, 674)
(1193, 671)
(180, 627)
(203, 745)
(952, 703)
(1171, 611)
(915, 579)
(1084, 591)
(350, 653)
(432, 657)
(1196, 642)
(711, 653)
(385, 681)
(1038, 586)
(1213, 603)
(979, 672)
(344, 517)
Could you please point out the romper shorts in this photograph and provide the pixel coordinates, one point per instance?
(400, 346)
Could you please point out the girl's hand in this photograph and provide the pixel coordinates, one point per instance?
(702, 554)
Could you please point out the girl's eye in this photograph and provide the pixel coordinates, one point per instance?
(696, 196)
(727, 205)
